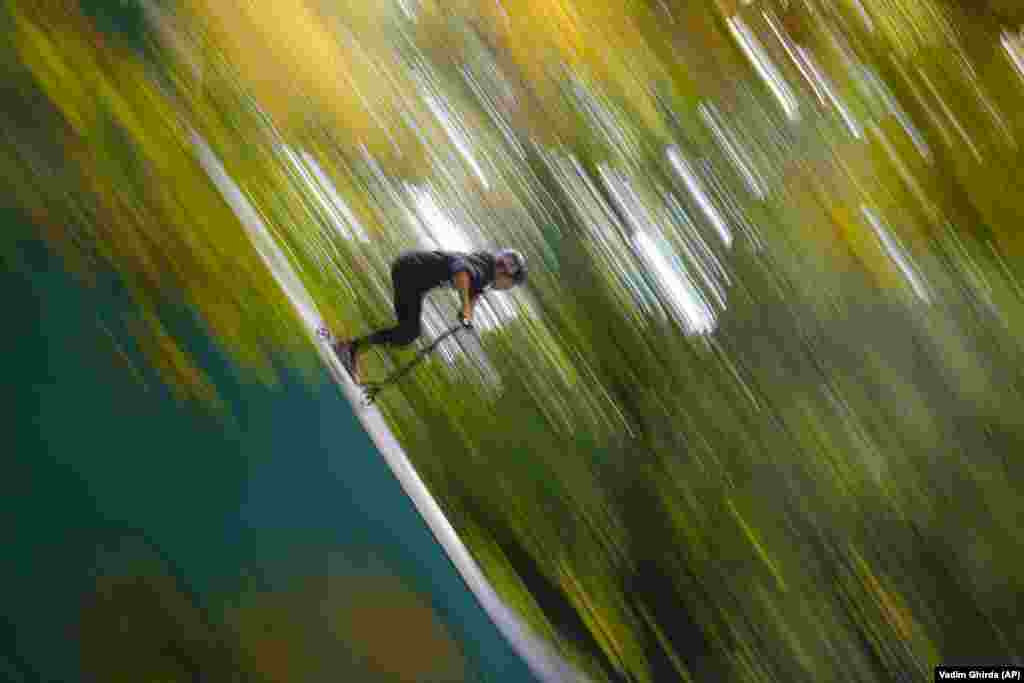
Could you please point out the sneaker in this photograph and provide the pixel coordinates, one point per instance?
(346, 354)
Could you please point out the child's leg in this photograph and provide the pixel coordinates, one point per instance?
(408, 310)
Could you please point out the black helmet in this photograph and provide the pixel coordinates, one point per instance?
(515, 264)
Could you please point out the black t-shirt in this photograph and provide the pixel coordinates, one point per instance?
(425, 270)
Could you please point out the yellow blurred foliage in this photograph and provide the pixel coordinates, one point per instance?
(598, 40)
(296, 63)
(144, 202)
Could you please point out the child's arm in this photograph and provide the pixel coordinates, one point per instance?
(464, 284)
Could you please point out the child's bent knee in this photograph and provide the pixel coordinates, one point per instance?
(406, 335)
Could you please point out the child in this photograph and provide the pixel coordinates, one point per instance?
(415, 273)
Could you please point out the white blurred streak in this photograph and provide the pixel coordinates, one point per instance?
(699, 253)
(307, 187)
(341, 216)
(689, 178)
(793, 50)
(637, 215)
(864, 16)
(383, 180)
(908, 177)
(830, 91)
(601, 115)
(688, 305)
(1014, 47)
(443, 232)
(494, 112)
(733, 150)
(762, 63)
(458, 139)
(408, 9)
(897, 110)
(950, 116)
(355, 46)
(685, 300)
(897, 254)
(971, 75)
(923, 102)
(975, 274)
(600, 222)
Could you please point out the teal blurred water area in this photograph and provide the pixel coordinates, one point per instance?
(145, 539)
